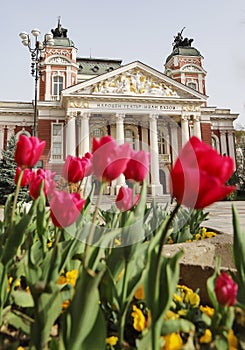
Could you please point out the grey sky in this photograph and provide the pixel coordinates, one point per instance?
(132, 30)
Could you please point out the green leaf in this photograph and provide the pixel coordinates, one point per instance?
(178, 325)
(18, 321)
(96, 337)
(48, 308)
(83, 311)
(211, 290)
(22, 298)
(239, 256)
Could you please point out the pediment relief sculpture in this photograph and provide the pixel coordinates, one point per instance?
(134, 82)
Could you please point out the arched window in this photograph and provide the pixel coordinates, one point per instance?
(58, 85)
(130, 138)
(216, 143)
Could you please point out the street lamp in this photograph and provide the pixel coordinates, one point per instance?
(37, 53)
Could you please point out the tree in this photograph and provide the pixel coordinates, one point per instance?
(7, 173)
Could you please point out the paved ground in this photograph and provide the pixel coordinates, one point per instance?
(220, 214)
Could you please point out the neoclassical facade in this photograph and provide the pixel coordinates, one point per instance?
(82, 98)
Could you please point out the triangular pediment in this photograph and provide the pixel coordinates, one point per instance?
(135, 79)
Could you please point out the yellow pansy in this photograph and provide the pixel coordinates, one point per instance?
(206, 337)
(232, 340)
(170, 315)
(209, 311)
(194, 299)
(120, 275)
(139, 294)
(71, 277)
(112, 340)
(178, 298)
(139, 319)
(173, 341)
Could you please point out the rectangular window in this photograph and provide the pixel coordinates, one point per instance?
(57, 85)
(57, 142)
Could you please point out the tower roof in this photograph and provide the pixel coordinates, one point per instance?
(182, 46)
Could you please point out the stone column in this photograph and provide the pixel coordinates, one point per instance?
(120, 181)
(223, 142)
(10, 132)
(84, 134)
(71, 134)
(231, 145)
(184, 129)
(1, 139)
(197, 127)
(120, 128)
(156, 187)
(174, 142)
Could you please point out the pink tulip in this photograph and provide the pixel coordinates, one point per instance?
(109, 159)
(225, 290)
(28, 151)
(124, 200)
(26, 177)
(199, 175)
(74, 168)
(65, 208)
(37, 178)
(88, 165)
(138, 166)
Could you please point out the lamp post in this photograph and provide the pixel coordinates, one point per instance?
(37, 52)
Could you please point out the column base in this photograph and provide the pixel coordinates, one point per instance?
(155, 190)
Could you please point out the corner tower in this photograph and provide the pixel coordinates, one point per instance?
(58, 67)
(184, 64)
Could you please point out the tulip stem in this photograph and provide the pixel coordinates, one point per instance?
(92, 227)
(17, 190)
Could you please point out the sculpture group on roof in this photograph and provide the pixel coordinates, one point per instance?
(59, 32)
(179, 41)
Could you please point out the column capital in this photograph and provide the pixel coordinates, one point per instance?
(70, 115)
(185, 117)
(120, 116)
(153, 116)
(196, 118)
(84, 115)
(222, 132)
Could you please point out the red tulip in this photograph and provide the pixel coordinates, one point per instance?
(74, 168)
(109, 159)
(124, 200)
(225, 290)
(138, 166)
(199, 175)
(37, 178)
(26, 177)
(28, 151)
(65, 208)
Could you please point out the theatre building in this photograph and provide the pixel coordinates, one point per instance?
(157, 111)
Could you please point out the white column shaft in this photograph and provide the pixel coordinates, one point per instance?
(71, 136)
(197, 127)
(223, 143)
(84, 132)
(231, 146)
(184, 129)
(154, 151)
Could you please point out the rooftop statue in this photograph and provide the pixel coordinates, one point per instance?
(59, 32)
(179, 41)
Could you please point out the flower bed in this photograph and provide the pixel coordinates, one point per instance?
(76, 278)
